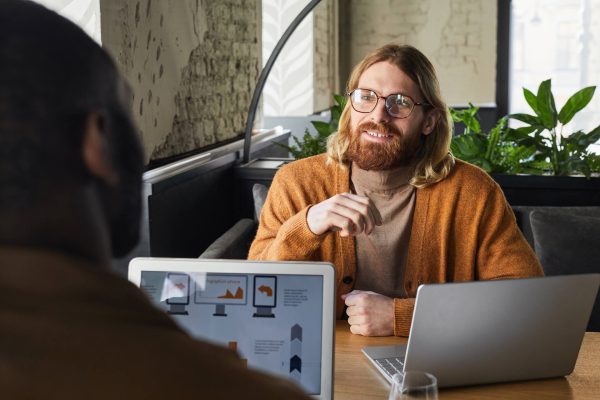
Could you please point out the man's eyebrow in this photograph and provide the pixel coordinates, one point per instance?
(403, 92)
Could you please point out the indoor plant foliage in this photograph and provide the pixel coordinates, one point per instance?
(556, 153)
(539, 147)
(495, 151)
(313, 145)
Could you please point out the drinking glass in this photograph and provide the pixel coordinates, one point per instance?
(414, 385)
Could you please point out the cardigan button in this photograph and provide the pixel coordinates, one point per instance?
(347, 280)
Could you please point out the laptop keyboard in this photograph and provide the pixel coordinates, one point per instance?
(391, 365)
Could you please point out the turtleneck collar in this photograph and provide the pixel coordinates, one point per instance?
(381, 181)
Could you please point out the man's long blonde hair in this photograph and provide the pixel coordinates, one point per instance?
(434, 158)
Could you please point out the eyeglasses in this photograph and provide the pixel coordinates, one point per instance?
(397, 105)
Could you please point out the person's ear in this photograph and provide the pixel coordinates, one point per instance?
(96, 153)
(431, 119)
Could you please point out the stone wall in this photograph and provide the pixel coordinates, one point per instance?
(458, 36)
(192, 65)
(325, 51)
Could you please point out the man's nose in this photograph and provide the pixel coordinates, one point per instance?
(380, 114)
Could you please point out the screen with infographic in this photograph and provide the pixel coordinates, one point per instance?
(274, 322)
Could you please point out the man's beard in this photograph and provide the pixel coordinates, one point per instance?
(371, 156)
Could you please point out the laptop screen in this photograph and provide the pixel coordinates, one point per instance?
(274, 321)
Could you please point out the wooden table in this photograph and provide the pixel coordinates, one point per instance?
(357, 378)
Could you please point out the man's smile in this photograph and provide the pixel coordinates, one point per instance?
(377, 136)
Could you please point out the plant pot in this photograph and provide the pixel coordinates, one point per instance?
(558, 191)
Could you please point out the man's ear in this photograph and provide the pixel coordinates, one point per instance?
(431, 119)
(96, 154)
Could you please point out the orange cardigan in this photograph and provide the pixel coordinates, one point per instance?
(463, 230)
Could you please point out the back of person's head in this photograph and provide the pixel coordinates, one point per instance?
(53, 76)
(435, 161)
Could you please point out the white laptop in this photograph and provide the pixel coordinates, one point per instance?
(279, 316)
(494, 331)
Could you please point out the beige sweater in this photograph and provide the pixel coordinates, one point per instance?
(463, 230)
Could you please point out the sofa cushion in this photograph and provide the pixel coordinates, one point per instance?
(568, 244)
(523, 216)
(234, 243)
(259, 193)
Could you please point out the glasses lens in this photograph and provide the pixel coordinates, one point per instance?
(399, 106)
(363, 100)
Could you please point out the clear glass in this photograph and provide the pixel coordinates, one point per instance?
(397, 105)
(414, 385)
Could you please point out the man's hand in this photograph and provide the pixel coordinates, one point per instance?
(370, 313)
(348, 213)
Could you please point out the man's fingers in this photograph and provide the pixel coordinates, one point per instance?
(343, 224)
(359, 213)
(354, 299)
(355, 291)
(346, 219)
(372, 210)
(357, 320)
(356, 329)
(355, 310)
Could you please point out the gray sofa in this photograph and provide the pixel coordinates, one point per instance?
(566, 239)
(235, 242)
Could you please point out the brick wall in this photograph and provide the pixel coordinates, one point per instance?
(325, 57)
(192, 65)
(461, 42)
(458, 36)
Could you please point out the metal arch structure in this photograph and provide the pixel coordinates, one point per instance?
(264, 74)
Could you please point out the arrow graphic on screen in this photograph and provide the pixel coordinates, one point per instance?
(296, 352)
(266, 290)
(295, 364)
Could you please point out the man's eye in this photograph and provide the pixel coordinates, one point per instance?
(402, 102)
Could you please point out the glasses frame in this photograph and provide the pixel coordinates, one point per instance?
(385, 105)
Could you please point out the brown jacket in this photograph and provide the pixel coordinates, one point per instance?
(463, 230)
(71, 330)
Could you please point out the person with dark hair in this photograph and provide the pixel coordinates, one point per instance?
(388, 204)
(70, 178)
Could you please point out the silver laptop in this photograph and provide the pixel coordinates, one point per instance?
(279, 316)
(494, 331)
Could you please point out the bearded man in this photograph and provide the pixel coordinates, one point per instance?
(388, 205)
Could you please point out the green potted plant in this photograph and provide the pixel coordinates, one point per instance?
(494, 151)
(312, 145)
(560, 169)
(557, 154)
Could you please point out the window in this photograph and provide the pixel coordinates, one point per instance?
(557, 39)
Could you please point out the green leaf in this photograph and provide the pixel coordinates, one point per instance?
(595, 133)
(340, 100)
(531, 100)
(467, 147)
(528, 119)
(546, 106)
(575, 104)
(468, 117)
(519, 134)
(322, 128)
